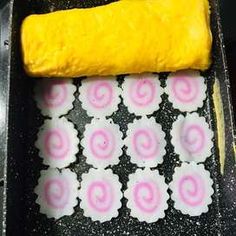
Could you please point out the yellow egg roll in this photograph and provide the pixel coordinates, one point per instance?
(123, 37)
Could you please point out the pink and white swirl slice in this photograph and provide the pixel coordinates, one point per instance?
(100, 96)
(54, 97)
(57, 192)
(57, 142)
(102, 143)
(191, 189)
(145, 142)
(142, 93)
(147, 195)
(186, 90)
(192, 138)
(100, 195)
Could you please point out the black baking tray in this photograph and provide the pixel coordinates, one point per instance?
(21, 165)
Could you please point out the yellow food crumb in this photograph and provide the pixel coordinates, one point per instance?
(234, 147)
(220, 123)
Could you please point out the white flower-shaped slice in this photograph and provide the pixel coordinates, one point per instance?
(147, 195)
(57, 142)
(191, 189)
(100, 195)
(57, 192)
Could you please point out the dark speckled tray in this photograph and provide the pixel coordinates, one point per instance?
(21, 164)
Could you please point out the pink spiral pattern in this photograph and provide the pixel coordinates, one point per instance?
(54, 94)
(185, 89)
(146, 144)
(191, 190)
(57, 144)
(100, 94)
(147, 196)
(56, 193)
(193, 138)
(100, 196)
(102, 144)
(142, 92)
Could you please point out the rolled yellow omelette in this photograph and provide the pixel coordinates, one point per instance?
(123, 37)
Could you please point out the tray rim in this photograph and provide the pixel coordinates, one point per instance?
(6, 8)
(8, 5)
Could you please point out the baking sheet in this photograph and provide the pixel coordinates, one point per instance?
(21, 213)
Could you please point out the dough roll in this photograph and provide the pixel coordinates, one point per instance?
(119, 38)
